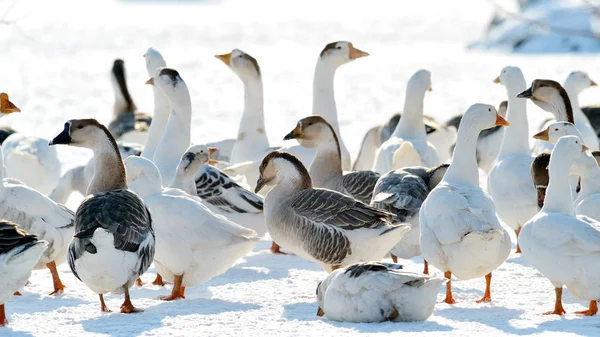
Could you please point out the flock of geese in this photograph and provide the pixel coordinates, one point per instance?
(194, 209)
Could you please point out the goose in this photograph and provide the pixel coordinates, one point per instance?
(402, 192)
(326, 168)
(19, 253)
(193, 244)
(488, 142)
(576, 82)
(376, 292)
(154, 60)
(509, 180)
(114, 240)
(441, 136)
(409, 136)
(128, 123)
(77, 179)
(321, 225)
(564, 247)
(460, 233)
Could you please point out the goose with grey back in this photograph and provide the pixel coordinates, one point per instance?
(509, 181)
(402, 192)
(19, 253)
(326, 169)
(574, 84)
(193, 244)
(409, 136)
(377, 292)
(128, 123)
(114, 240)
(322, 225)
(460, 232)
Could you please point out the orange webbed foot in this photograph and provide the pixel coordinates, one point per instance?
(130, 309)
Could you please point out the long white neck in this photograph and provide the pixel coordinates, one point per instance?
(109, 171)
(177, 136)
(327, 162)
(159, 122)
(252, 137)
(324, 95)
(559, 109)
(516, 137)
(411, 123)
(184, 178)
(463, 167)
(558, 194)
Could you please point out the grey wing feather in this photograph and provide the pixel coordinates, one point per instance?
(126, 122)
(212, 185)
(360, 184)
(400, 192)
(12, 237)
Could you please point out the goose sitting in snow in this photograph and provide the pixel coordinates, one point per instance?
(19, 253)
(128, 124)
(509, 180)
(193, 244)
(489, 140)
(564, 247)
(321, 225)
(576, 82)
(441, 136)
(77, 179)
(409, 137)
(460, 232)
(326, 168)
(377, 292)
(114, 240)
(402, 192)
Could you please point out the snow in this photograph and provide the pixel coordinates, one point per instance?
(55, 66)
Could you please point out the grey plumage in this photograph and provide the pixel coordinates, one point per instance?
(592, 112)
(12, 237)
(358, 269)
(129, 121)
(360, 184)
(119, 212)
(212, 185)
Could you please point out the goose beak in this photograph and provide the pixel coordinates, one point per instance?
(226, 58)
(542, 135)
(295, 134)
(6, 106)
(497, 79)
(320, 312)
(355, 53)
(584, 148)
(150, 81)
(64, 137)
(501, 121)
(430, 89)
(212, 150)
(526, 94)
(260, 183)
(213, 162)
(593, 84)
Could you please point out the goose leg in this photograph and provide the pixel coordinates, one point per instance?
(335, 267)
(275, 249)
(176, 292)
(59, 287)
(182, 292)
(558, 308)
(158, 281)
(591, 311)
(394, 258)
(17, 294)
(487, 296)
(426, 267)
(517, 231)
(103, 306)
(127, 307)
(3, 320)
(449, 298)
(139, 282)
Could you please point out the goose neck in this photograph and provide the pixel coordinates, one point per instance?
(561, 107)
(159, 122)
(463, 167)
(327, 162)
(411, 122)
(516, 137)
(324, 95)
(109, 171)
(558, 194)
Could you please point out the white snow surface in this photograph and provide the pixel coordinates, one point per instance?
(55, 66)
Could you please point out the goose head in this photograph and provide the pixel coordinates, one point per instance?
(577, 81)
(339, 53)
(196, 156)
(312, 131)
(154, 60)
(169, 81)
(242, 64)
(278, 167)
(6, 106)
(569, 147)
(556, 130)
(511, 77)
(87, 133)
(482, 116)
(546, 94)
(143, 177)
(420, 81)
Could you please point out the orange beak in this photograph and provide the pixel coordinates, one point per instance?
(226, 58)
(356, 53)
(430, 89)
(320, 312)
(150, 81)
(584, 148)
(497, 79)
(542, 135)
(6, 106)
(593, 84)
(501, 121)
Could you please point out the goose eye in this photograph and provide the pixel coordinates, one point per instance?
(490, 110)
(80, 126)
(338, 47)
(240, 56)
(555, 129)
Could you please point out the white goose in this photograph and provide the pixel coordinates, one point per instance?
(377, 292)
(509, 180)
(321, 225)
(565, 248)
(409, 136)
(160, 117)
(576, 82)
(19, 253)
(114, 240)
(193, 244)
(460, 233)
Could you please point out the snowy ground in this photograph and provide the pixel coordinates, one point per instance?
(55, 65)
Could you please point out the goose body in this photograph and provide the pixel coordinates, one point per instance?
(19, 253)
(409, 129)
(460, 233)
(588, 198)
(321, 225)
(377, 292)
(114, 239)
